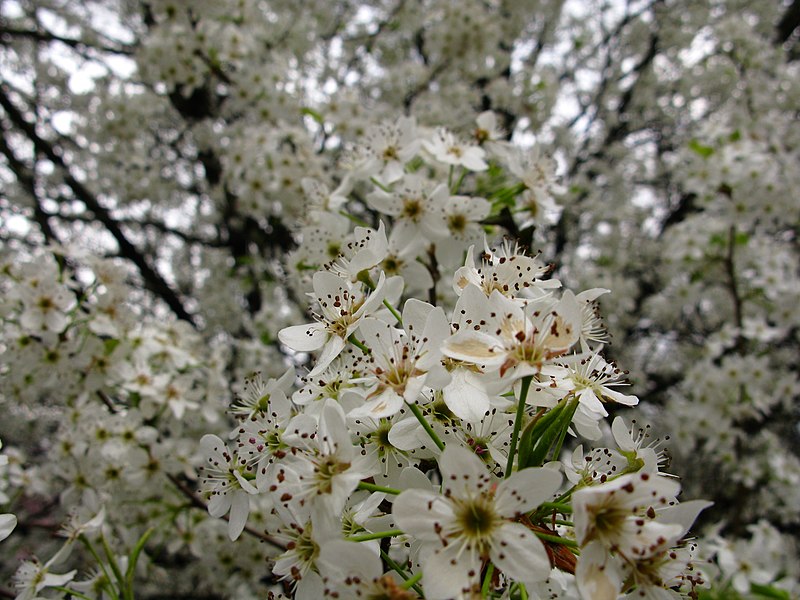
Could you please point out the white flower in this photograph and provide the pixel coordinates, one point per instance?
(487, 129)
(225, 478)
(505, 336)
(400, 361)
(630, 441)
(342, 305)
(446, 149)
(368, 249)
(415, 206)
(353, 570)
(473, 520)
(621, 514)
(386, 149)
(32, 577)
(260, 396)
(320, 479)
(506, 270)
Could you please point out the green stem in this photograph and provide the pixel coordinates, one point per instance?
(354, 219)
(454, 190)
(365, 537)
(358, 344)
(386, 189)
(556, 539)
(487, 581)
(526, 384)
(425, 425)
(85, 541)
(394, 312)
(411, 581)
(558, 507)
(565, 419)
(112, 561)
(371, 487)
(400, 571)
(523, 593)
(68, 591)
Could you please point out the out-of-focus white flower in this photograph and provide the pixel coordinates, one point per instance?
(445, 148)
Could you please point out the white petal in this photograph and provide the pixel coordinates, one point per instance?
(525, 490)
(520, 554)
(339, 560)
(591, 402)
(214, 448)
(475, 347)
(619, 398)
(446, 573)
(465, 396)
(54, 579)
(419, 512)
(683, 514)
(240, 508)
(7, 524)
(597, 574)
(333, 347)
(622, 435)
(304, 338)
(219, 504)
(385, 404)
(415, 314)
(461, 470)
(407, 434)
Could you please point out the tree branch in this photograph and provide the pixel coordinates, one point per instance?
(198, 502)
(151, 277)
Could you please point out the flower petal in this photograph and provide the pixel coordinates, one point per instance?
(304, 338)
(421, 512)
(520, 554)
(526, 489)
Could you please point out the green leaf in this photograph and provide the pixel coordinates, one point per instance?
(133, 559)
(769, 591)
(110, 345)
(700, 149)
(310, 112)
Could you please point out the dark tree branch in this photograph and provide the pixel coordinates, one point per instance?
(151, 277)
(789, 22)
(27, 180)
(198, 502)
(42, 35)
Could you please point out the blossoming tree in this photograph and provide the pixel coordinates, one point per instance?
(399, 299)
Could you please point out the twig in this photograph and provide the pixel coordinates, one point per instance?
(198, 502)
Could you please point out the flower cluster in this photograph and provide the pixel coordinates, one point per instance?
(439, 428)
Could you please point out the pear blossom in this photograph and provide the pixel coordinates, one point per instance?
(351, 570)
(445, 148)
(321, 477)
(401, 362)
(386, 149)
(472, 520)
(226, 479)
(509, 337)
(32, 577)
(342, 305)
(507, 270)
(622, 514)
